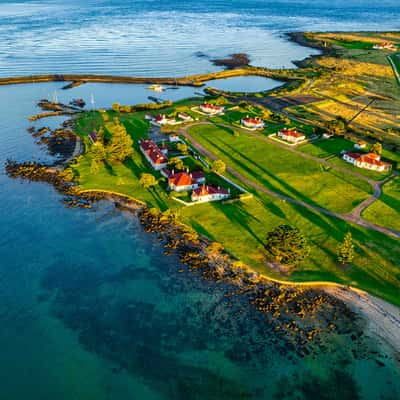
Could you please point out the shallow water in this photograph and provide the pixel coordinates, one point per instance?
(89, 306)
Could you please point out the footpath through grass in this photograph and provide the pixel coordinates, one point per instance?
(241, 227)
(282, 171)
(386, 210)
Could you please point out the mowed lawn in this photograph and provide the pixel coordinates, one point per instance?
(386, 210)
(282, 171)
(326, 147)
(241, 228)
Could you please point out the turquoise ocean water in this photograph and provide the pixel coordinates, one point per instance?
(89, 306)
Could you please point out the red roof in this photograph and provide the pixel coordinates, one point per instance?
(155, 154)
(291, 132)
(369, 158)
(183, 115)
(158, 117)
(212, 107)
(181, 179)
(198, 175)
(206, 190)
(254, 120)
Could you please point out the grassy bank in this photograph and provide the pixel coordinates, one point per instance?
(241, 226)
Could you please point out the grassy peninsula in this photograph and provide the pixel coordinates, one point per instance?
(308, 186)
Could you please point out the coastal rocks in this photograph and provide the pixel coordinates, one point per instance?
(236, 60)
(59, 142)
(36, 172)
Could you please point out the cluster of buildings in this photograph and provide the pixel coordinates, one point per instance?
(183, 180)
(385, 46)
(291, 135)
(161, 119)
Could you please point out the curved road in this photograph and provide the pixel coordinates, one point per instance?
(353, 217)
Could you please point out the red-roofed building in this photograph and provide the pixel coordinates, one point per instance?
(185, 117)
(211, 109)
(252, 122)
(291, 135)
(367, 161)
(181, 181)
(153, 154)
(360, 145)
(161, 119)
(385, 46)
(209, 193)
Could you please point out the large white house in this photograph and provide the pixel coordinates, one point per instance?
(209, 193)
(291, 135)
(252, 122)
(367, 161)
(211, 109)
(153, 154)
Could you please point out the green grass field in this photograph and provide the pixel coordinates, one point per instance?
(386, 211)
(326, 147)
(283, 171)
(241, 226)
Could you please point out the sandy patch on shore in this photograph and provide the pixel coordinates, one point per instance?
(383, 318)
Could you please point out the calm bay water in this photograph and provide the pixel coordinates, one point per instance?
(89, 306)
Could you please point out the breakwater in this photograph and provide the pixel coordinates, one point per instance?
(191, 80)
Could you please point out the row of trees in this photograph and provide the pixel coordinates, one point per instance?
(288, 246)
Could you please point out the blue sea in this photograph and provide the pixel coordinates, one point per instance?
(90, 308)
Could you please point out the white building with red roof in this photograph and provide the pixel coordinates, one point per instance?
(291, 135)
(153, 154)
(185, 117)
(360, 145)
(252, 122)
(173, 137)
(207, 193)
(161, 119)
(367, 161)
(211, 109)
(182, 181)
(385, 46)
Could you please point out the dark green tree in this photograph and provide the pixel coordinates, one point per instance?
(346, 250)
(336, 126)
(376, 148)
(176, 163)
(287, 245)
(147, 180)
(219, 167)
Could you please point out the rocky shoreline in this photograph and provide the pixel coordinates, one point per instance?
(302, 317)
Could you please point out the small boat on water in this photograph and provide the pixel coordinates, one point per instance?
(78, 103)
(156, 88)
